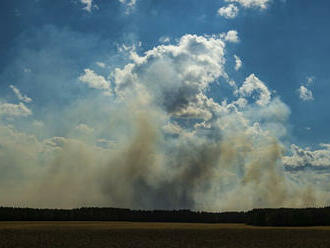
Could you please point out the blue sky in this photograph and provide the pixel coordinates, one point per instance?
(284, 44)
(80, 70)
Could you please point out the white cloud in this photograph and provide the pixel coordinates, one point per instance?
(172, 128)
(231, 36)
(83, 128)
(310, 80)
(262, 4)
(305, 94)
(19, 95)
(229, 12)
(14, 110)
(101, 64)
(238, 63)
(164, 39)
(254, 84)
(301, 158)
(94, 80)
(88, 5)
(175, 76)
(130, 5)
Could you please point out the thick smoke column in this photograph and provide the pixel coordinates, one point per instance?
(161, 142)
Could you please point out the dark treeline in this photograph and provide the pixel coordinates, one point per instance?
(259, 217)
(118, 214)
(289, 217)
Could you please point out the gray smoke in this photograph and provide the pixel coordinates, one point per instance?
(160, 142)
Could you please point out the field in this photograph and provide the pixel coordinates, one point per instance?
(154, 235)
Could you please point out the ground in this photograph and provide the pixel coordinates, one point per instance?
(154, 235)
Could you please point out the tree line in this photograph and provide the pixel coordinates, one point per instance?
(258, 217)
(117, 214)
(289, 217)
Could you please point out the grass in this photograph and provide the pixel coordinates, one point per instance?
(154, 235)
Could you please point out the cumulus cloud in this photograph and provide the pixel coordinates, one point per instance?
(253, 84)
(238, 63)
(19, 95)
(306, 158)
(94, 80)
(172, 128)
(88, 5)
(14, 110)
(305, 94)
(229, 12)
(231, 36)
(261, 4)
(304, 91)
(175, 77)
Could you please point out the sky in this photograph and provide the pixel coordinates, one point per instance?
(208, 105)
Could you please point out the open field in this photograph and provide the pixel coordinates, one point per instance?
(154, 235)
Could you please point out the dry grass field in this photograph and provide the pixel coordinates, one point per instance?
(154, 235)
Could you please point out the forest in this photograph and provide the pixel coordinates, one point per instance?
(257, 217)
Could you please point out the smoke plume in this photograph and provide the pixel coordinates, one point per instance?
(157, 140)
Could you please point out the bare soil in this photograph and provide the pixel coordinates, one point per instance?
(154, 235)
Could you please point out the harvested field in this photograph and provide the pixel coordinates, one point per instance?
(153, 235)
